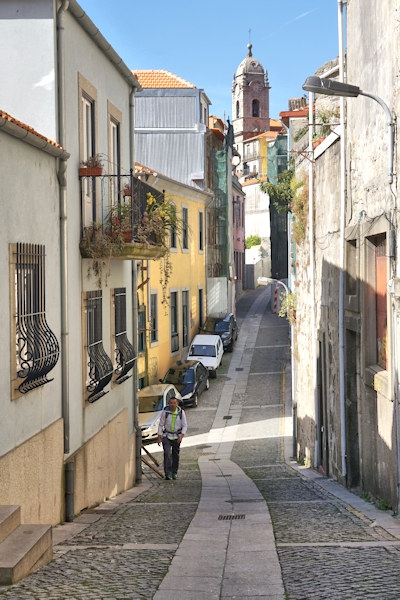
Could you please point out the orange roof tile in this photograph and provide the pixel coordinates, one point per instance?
(268, 135)
(7, 117)
(253, 181)
(275, 123)
(161, 79)
(143, 169)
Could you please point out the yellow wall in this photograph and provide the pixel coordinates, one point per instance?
(188, 273)
(264, 157)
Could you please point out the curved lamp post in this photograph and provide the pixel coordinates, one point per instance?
(331, 87)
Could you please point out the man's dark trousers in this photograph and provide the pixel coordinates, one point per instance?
(171, 455)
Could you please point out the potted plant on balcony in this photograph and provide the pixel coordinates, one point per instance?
(91, 167)
(119, 222)
(127, 190)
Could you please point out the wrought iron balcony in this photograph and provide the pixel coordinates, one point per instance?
(116, 221)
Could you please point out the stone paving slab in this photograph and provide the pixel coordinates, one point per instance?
(315, 539)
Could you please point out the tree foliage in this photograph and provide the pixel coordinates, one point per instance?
(252, 240)
(280, 193)
(290, 195)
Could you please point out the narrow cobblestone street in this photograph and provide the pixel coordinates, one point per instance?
(327, 548)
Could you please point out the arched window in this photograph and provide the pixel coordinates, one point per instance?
(255, 108)
(237, 109)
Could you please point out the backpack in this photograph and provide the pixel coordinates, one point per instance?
(180, 411)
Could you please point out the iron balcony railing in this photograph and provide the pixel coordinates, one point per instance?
(113, 211)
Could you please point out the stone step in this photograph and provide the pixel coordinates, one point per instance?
(24, 550)
(10, 518)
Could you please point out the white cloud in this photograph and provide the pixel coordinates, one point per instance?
(47, 81)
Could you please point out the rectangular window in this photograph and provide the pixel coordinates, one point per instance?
(99, 366)
(201, 231)
(173, 238)
(88, 128)
(124, 351)
(185, 228)
(201, 307)
(154, 317)
(142, 329)
(185, 319)
(174, 321)
(375, 299)
(37, 348)
(381, 303)
(115, 160)
(88, 149)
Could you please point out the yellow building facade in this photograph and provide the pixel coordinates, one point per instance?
(172, 290)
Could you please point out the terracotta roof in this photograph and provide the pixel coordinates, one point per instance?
(7, 117)
(253, 181)
(275, 123)
(268, 135)
(161, 79)
(297, 112)
(142, 169)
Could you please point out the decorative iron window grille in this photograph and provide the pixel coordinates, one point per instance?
(100, 368)
(37, 347)
(124, 351)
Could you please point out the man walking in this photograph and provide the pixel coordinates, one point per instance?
(171, 429)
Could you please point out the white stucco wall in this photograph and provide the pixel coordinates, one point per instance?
(27, 35)
(83, 57)
(30, 215)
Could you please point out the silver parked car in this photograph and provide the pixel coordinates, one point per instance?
(152, 400)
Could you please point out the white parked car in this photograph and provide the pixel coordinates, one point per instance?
(208, 349)
(152, 400)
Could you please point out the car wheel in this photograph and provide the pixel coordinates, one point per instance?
(195, 401)
(207, 384)
(214, 374)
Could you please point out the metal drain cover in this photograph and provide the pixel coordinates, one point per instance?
(230, 517)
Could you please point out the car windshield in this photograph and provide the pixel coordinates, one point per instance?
(209, 325)
(150, 403)
(200, 350)
(189, 377)
(174, 376)
(222, 326)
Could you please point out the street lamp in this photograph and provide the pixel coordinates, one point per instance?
(331, 87)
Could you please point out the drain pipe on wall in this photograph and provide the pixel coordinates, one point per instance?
(342, 384)
(311, 99)
(63, 227)
(134, 280)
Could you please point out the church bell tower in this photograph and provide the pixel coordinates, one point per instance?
(250, 100)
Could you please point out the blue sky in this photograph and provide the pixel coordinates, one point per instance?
(204, 42)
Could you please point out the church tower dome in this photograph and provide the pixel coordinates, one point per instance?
(250, 100)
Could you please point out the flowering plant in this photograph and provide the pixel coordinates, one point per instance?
(158, 220)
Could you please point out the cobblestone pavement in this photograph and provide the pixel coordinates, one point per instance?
(327, 550)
